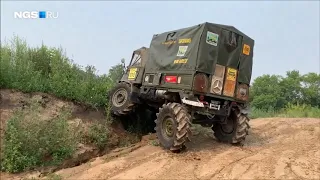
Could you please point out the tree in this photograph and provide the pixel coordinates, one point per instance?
(271, 91)
(266, 92)
(116, 72)
(311, 89)
(291, 87)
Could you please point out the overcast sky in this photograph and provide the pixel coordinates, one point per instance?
(100, 33)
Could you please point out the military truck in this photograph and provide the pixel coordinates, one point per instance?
(195, 75)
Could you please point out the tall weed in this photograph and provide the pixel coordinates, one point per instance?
(290, 111)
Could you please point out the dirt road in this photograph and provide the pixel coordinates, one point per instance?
(276, 148)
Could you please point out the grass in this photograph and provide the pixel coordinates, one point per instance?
(54, 177)
(31, 141)
(290, 111)
(98, 134)
(49, 70)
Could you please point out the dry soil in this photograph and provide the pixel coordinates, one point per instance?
(277, 148)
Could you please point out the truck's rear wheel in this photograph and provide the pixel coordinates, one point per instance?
(120, 101)
(173, 126)
(236, 129)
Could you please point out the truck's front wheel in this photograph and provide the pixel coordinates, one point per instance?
(235, 130)
(120, 100)
(173, 126)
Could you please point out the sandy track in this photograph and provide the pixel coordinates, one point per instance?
(276, 148)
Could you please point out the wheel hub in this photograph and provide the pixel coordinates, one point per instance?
(167, 127)
(119, 97)
(227, 128)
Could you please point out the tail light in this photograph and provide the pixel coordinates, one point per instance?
(243, 92)
(170, 79)
(230, 82)
(217, 79)
(200, 83)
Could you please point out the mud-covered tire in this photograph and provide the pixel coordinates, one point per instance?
(240, 128)
(126, 105)
(180, 129)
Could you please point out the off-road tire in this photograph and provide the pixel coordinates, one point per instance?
(240, 125)
(124, 107)
(181, 123)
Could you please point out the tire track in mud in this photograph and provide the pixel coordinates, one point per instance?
(141, 164)
(233, 163)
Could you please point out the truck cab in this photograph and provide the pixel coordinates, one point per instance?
(134, 72)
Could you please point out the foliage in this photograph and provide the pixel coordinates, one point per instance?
(290, 110)
(98, 134)
(54, 177)
(49, 70)
(30, 140)
(301, 111)
(271, 92)
(116, 72)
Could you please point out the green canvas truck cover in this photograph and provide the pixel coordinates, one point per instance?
(200, 48)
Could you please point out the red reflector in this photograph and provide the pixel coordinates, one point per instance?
(170, 79)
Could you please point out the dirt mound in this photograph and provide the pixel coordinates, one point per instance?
(276, 148)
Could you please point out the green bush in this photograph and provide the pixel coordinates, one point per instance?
(98, 134)
(49, 70)
(260, 113)
(277, 91)
(300, 111)
(31, 141)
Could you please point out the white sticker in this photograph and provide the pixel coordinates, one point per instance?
(212, 38)
(182, 50)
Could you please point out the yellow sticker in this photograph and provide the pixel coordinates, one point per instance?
(180, 61)
(169, 42)
(185, 41)
(132, 73)
(231, 74)
(246, 49)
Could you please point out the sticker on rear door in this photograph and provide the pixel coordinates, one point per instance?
(182, 50)
(212, 38)
(246, 49)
